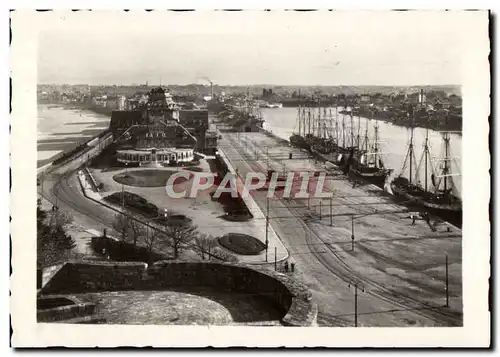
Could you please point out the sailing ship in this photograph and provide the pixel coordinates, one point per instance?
(333, 145)
(299, 139)
(440, 194)
(366, 162)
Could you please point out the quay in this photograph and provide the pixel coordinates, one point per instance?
(358, 238)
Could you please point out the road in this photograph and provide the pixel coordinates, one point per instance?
(62, 188)
(323, 265)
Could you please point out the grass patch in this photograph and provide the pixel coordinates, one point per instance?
(144, 178)
(241, 244)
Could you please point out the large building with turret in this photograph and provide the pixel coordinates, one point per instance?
(157, 132)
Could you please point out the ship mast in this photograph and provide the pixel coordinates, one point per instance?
(410, 150)
(375, 147)
(309, 120)
(426, 151)
(446, 138)
(337, 122)
(366, 135)
(343, 125)
(318, 121)
(337, 125)
(331, 122)
(300, 119)
(359, 128)
(352, 131)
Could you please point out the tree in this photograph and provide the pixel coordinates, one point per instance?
(152, 239)
(179, 235)
(204, 244)
(53, 243)
(58, 219)
(41, 215)
(136, 230)
(121, 224)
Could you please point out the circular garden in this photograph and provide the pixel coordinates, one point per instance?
(146, 178)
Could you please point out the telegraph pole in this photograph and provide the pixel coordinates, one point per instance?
(356, 303)
(352, 233)
(447, 291)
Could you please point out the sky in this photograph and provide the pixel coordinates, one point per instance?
(256, 47)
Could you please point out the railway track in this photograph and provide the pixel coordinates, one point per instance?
(350, 276)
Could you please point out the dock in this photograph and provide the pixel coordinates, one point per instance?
(358, 238)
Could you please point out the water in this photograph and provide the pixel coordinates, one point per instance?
(393, 139)
(60, 129)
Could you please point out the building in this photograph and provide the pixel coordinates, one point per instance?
(196, 121)
(365, 98)
(121, 102)
(152, 134)
(112, 102)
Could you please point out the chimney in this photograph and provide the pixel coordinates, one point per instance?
(211, 90)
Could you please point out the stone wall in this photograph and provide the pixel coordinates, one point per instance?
(293, 298)
(82, 277)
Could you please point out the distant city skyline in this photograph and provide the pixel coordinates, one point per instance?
(383, 48)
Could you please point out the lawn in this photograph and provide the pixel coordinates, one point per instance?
(145, 178)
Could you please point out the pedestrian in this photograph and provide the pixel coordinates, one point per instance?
(412, 219)
(286, 267)
(292, 267)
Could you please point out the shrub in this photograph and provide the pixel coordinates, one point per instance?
(225, 256)
(241, 244)
(133, 202)
(121, 251)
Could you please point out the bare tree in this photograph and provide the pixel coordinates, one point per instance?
(153, 238)
(179, 235)
(204, 244)
(121, 224)
(136, 230)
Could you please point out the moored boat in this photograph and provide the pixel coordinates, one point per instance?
(440, 194)
(367, 162)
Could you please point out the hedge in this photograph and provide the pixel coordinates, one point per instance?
(123, 251)
(133, 202)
